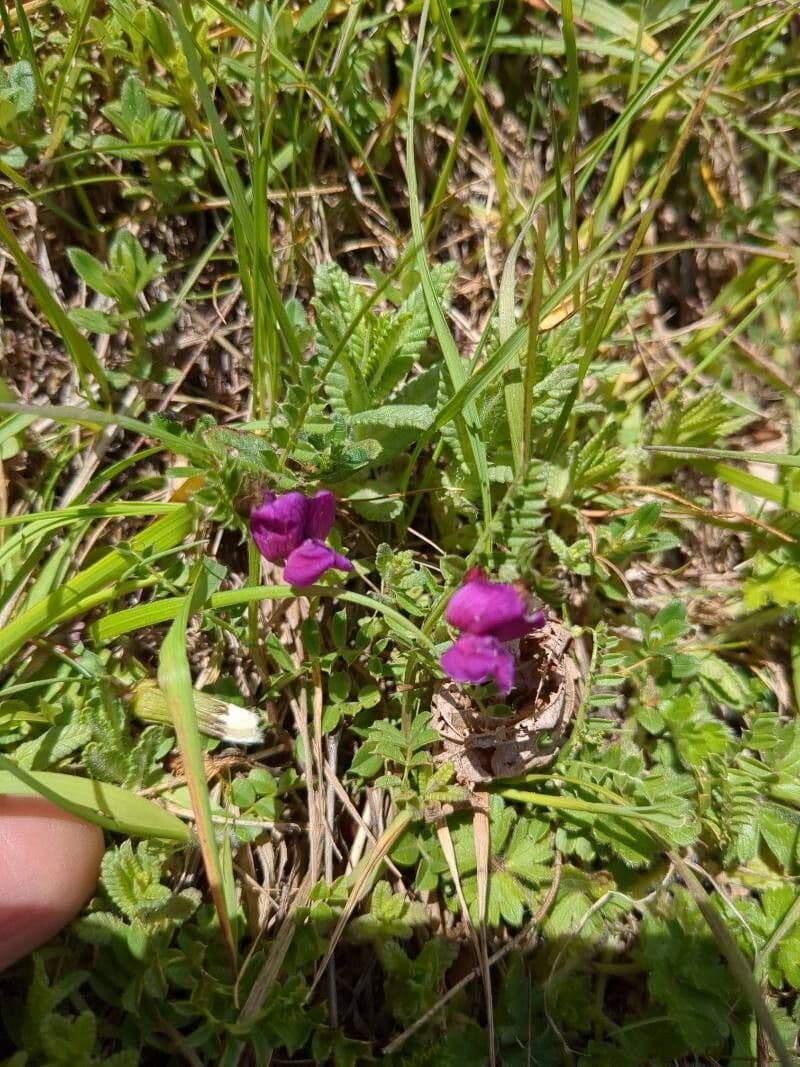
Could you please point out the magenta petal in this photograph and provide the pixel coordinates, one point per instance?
(320, 513)
(278, 525)
(484, 607)
(341, 563)
(307, 563)
(515, 628)
(310, 561)
(504, 670)
(476, 658)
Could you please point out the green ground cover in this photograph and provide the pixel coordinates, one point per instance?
(517, 282)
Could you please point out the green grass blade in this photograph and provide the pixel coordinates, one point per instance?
(224, 161)
(510, 349)
(467, 416)
(8, 33)
(61, 114)
(573, 81)
(175, 681)
(772, 287)
(265, 361)
(252, 266)
(637, 813)
(181, 446)
(657, 82)
(534, 320)
(248, 28)
(70, 600)
(91, 511)
(778, 459)
(443, 178)
(479, 103)
(612, 20)
(760, 487)
(506, 322)
(130, 619)
(81, 352)
(621, 277)
(105, 805)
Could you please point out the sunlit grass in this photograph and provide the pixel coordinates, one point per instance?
(596, 400)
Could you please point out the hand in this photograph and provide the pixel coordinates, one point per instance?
(49, 864)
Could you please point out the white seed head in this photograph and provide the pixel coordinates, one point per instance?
(215, 716)
(240, 725)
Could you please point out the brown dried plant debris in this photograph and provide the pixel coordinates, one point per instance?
(485, 747)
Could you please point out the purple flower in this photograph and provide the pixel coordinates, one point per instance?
(488, 613)
(292, 528)
(310, 561)
(484, 607)
(476, 658)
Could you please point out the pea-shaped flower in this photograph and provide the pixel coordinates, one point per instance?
(291, 529)
(488, 614)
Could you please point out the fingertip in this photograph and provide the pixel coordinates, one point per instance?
(49, 865)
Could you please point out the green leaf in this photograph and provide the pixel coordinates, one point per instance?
(94, 321)
(134, 102)
(376, 503)
(160, 317)
(311, 16)
(724, 683)
(132, 270)
(414, 985)
(92, 271)
(696, 733)
(780, 828)
(701, 420)
(68, 1041)
(390, 916)
(338, 304)
(412, 416)
(97, 802)
(18, 88)
(284, 1018)
(775, 579)
(70, 733)
(686, 976)
(130, 877)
